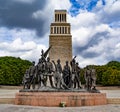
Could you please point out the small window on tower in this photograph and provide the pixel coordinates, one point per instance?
(55, 30)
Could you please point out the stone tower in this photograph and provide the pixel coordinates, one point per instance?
(60, 38)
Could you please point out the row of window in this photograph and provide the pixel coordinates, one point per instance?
(60, 17)
(60, 30)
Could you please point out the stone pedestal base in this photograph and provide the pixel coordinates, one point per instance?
(52, 99)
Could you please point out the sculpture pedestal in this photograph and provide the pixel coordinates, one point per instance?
(53, 99)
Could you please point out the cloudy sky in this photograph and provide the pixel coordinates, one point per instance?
(95, 28)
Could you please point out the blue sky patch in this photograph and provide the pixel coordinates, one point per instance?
(78, 5)
(74, 10)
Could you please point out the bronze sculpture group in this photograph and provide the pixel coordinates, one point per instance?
(67, 77)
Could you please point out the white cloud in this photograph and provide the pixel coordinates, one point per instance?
(92, 35)
(99, 5)
(60, 4)
(39, 14)
(86, 27)
(107, 49)
(80, 36)
(112, 7)
(18, 48)
(34, 54)
(90, 61)
(18, 45)
(83, 19)
(110, 12)
(12, 34)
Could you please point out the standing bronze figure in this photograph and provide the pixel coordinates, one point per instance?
(49, 70)
(66, 74)
(40, 73)
(93, 75)
(77, 82)
(88, 79)
(32, 73)
(26, 80)
(58, 74)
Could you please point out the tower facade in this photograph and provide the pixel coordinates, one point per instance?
(60, 38)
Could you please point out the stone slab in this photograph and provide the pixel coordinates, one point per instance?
(113, 100)
(7, 100)
(53, 99)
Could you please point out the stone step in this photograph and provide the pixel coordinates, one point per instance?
(7, 100)
(11, 100)
(113, 100)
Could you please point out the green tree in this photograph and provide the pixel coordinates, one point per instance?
(114, 78)
(108, 74)
(12, 70)
(106, 77)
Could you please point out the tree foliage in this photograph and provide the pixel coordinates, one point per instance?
(12, 70)
(109, 74)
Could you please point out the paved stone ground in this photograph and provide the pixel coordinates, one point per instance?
(111, 93)
(10, 93)
(19, 108)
